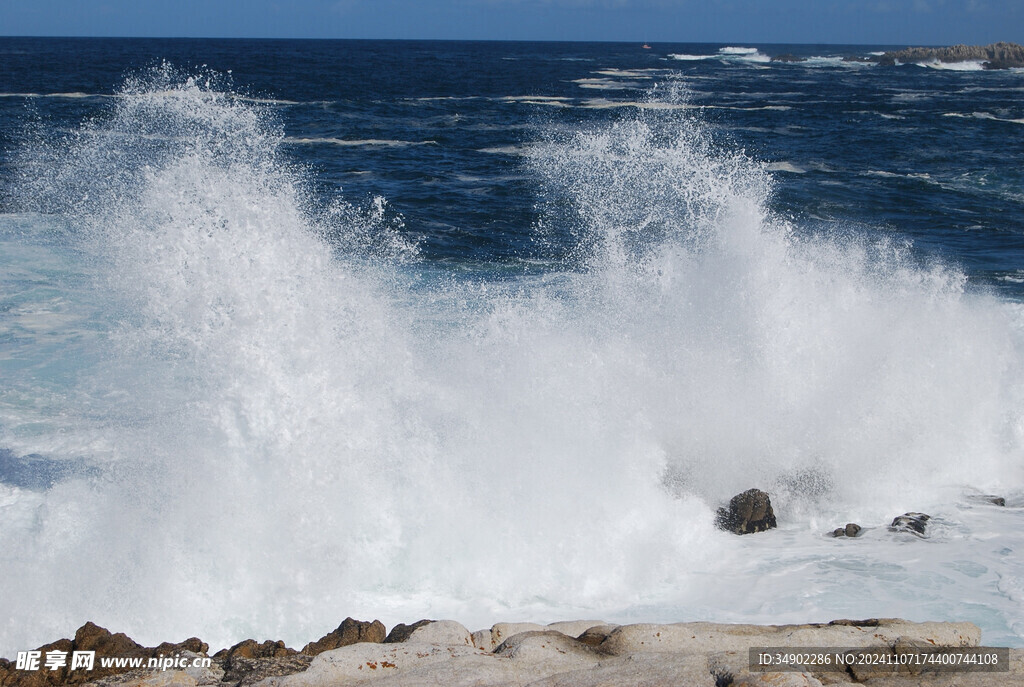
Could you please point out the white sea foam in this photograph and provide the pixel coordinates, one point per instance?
(298, 428)
(964, 66)
(733, 50)
(686, 57)
(607, 84)
(786, 167)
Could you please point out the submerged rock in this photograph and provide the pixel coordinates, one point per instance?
(852, 529)
(748, 512)
(988, 499)
(915, 523)
(350, 631)
(788, 57)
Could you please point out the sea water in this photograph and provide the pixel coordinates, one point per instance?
(292, 331)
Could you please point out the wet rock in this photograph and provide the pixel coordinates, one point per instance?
(852, 529)
(350, 631)
(748, 512)
(988, 499)
(788, 57)
(914, 523)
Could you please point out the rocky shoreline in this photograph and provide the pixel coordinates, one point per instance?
(995, 56)
(566, 654)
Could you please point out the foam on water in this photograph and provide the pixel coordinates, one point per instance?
(297, 421)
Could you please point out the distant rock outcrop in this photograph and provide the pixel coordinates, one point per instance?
(995, 56)
(748, 512)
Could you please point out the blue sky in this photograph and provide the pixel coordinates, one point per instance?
(901, 22)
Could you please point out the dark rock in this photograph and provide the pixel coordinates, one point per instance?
(915, 523)
(250, 648)
(193, 644)
(748, 512)
(248, 671)
(994, 56)
(852, 529)
(349, 632)
(788, 57)
(401, 632)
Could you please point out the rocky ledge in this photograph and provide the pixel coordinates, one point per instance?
(995, 56)
(567, 654)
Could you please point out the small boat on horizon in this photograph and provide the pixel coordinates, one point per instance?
(646, 47)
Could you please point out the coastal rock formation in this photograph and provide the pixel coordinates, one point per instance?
(994, 56)
(92, 637)
(748, 512)
(788, 57)
(693, 654)
(915, 523)
(350, 631)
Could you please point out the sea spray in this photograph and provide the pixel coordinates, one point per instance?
(296, 427)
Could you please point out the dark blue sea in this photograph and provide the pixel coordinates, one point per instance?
(298, 330)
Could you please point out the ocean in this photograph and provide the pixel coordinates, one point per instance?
(298, 330)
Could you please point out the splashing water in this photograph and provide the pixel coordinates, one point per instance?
(286, 430)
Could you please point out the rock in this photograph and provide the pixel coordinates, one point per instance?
(92, 637)
(788, 679)
(994, 56)
(788, 57)
(248, 671)
(597, 634)
(401, 663)
(988, 499)
(852, 529)
(250, 648)
(401, 632)
(148, 677)
(192, 644)
(250, 661)
(640, 670)
(349, 632)
(574, 628)
(491, 639)
(443, 632)
(748, 512)
(914, 523)
(707, 638)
